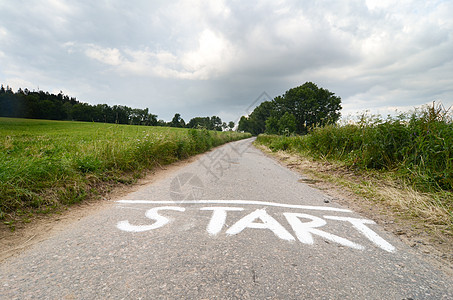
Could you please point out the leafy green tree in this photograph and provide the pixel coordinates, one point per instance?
(8, 104)
(150, 119)
(210, 123)
(82, 112)
(31, 104)
(231, 125)
(199, 122)
(67, 108)
(122, 114)
(216, 123)
(140, 117)
(298, 110)
(272, 126)
(161, 123)
(287, 124)
(310, 105)
(244, 124)
(48, 110)
(177, 121)
(255, 123)
(103, 113)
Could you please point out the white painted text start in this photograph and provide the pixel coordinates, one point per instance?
(304, 226)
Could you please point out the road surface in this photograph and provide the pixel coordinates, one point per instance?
(232, 224)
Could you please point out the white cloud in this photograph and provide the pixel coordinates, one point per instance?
(207, 61)
(109, 56)
(379, 4)
(3, 33)
(59, 7)
(212, 57)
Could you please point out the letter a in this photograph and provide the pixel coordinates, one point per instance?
(267, 223)
(304, 231)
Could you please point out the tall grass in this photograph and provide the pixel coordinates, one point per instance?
(46, 163)
(418, 146)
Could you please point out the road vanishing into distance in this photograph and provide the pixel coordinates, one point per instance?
(234, 224)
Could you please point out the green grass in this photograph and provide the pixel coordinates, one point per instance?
(416, 148)
(48, 163)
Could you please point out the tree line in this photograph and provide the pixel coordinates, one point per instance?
(44, 105)
(210, 123)
(297, 111)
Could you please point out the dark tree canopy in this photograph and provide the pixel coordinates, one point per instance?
(43, 105)
(210, 123)
(256, 122)
(297, 111)
(310, 105)
(199, 122)
(177, 121)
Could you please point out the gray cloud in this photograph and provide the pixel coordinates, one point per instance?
(204, 58)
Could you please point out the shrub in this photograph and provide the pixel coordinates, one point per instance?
(419, 146)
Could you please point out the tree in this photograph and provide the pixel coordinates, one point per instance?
(311, 106)
(142, 117)
(82, 112)
(150, 119)
(199, 122)
(298, 110)
(48, 110)
(210, 123)
(231, 125)
(67, 107)
(272, 125)
(177, 121)
(122, 114)
(256, 122)
(104, 113)
(161, 123)
(287, 124)
(244, 124)
(216, 123)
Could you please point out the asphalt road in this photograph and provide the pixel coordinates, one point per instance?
(233, 224)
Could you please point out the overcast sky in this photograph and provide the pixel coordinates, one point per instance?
(204, 58)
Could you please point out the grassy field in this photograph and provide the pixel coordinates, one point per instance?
(413, 151)
(44, 164)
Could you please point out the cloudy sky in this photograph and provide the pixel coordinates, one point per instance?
(203, 58)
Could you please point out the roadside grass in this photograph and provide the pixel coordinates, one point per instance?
(407, 161)
(46, 164)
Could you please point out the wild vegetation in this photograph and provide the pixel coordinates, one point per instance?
(415, 148)
(418, 145)
(47, 163)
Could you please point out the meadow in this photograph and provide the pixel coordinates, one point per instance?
(45, 164)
